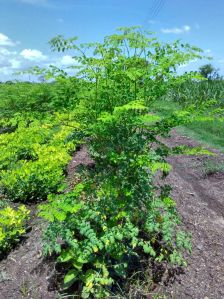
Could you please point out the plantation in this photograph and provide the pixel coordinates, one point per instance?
(110, 222)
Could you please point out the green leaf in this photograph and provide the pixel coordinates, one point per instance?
(66, 256)
(149, 118)
(70, 278)
(77, 265)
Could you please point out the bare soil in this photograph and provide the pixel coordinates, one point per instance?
(200, 203)
(24, 273)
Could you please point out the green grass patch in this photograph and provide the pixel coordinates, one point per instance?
(212, 166)
(165, 107)
(208, 132)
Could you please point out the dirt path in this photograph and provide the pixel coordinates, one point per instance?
(200, 202)
(24, 273)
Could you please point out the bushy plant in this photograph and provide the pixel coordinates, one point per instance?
(117, 214)
(128, 65)
(39, 97)
(34, 157)
(33, 180)
(12, 226)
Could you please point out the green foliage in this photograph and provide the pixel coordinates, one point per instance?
(12, 226)
(22, 97)
(115, 214)
(129, 65)
(209, 72)
(185, 150)
(34, 157)
(209, 132)
(196, 92)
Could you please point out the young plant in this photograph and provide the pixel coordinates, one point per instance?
(12, 226)
(117, 214)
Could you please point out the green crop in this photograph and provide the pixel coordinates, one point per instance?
(12, 226)
(116, 213)
(34, 157)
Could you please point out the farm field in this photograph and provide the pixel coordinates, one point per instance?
(112, 180)
(196, 193)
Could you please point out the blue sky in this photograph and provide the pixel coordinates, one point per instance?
(27, 25)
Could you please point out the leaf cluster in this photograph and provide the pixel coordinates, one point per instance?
(13, 224)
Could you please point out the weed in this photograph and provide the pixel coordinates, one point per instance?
(212, 166)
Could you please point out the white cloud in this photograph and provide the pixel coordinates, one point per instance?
(208, 51)
(12, 61)
(176, 30)
(8, 62)
(67, 60)
(6, 41)
(4, 63)
(15, 64)
(33, 55)
(5, 57)
(4, 52)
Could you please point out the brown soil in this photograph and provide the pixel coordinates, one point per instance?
(200, 202)
(24, 273)
(80, 159)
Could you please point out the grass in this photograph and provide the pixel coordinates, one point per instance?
(212, 166)
(208, 132)
(164, 107)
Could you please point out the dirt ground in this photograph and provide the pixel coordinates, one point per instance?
(24, 274)
(200, 202)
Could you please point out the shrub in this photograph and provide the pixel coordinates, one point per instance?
(33, 180)
(12, 226)
(34, 157)
(115, 215)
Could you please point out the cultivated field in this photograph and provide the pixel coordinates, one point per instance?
(112, 180)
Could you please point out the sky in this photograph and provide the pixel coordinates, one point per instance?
(26, 26)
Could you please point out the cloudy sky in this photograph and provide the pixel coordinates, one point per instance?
(26, 26)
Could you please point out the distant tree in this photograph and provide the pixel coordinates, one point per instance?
(41, 79)
(209, 72)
